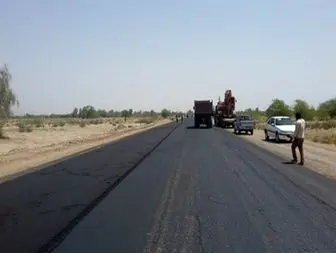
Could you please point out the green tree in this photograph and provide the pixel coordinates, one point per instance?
(328, 108)
(7, 97)
(152, 113)
(102, 113)
(254, 113)
(88, 112)
(130, 112)
(278, 108)
(125, 113)
(74, 113)
(165, 113)
(307, 111)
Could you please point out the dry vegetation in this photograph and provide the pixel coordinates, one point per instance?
(26, 134)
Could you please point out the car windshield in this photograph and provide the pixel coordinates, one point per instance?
(285, 121)
(244, 117)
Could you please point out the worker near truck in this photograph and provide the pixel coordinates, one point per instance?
(299, 134)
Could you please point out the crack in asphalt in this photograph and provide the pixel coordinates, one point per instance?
(59, 237)
(199, 233)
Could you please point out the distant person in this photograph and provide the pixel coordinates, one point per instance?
(176, 116)
(299, 134)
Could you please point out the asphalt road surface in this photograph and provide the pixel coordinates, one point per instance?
(206, 190)
(200, 190)
(37, 206)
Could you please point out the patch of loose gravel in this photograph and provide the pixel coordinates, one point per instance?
(320, 158)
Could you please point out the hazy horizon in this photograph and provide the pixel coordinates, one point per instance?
(153, 55)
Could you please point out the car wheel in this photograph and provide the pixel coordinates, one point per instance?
(277, 139)
(266, 136)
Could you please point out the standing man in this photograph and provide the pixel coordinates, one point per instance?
(298, 138)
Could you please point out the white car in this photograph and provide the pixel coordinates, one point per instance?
(280, 128)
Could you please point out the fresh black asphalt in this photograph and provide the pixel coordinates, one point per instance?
(200, 190)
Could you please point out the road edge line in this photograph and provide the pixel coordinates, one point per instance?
(42, 166)
(57, 239)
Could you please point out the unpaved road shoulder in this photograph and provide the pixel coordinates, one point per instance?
(320, 158)
(36, 206)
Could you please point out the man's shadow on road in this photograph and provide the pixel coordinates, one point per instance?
(288, 162)
(281, 142)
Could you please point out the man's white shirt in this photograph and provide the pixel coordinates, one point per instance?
(299, 128)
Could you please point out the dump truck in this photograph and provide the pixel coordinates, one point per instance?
(203, 112)
(224, 111)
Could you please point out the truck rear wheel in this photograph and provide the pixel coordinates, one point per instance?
(210, 123)
(196, 122)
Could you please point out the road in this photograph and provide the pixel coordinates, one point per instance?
(37, 206)
(206, 190)
(197, 190)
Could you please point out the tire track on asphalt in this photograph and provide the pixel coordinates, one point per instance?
(159, 231)
(60, 236)
(175, 226)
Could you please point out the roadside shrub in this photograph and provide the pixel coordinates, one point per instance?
(328, 124)
(38, 122)
(145, 120)
(324, 138)
(96, 121)
(121, 126)
(82, 124)
(2, 133)
(73, 121)
(23, 127)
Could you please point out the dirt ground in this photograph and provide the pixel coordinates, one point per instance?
(27, 150)
(319, 157)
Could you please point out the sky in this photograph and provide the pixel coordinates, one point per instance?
(152, 54)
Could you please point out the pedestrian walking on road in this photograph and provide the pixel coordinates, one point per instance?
(299, 134)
